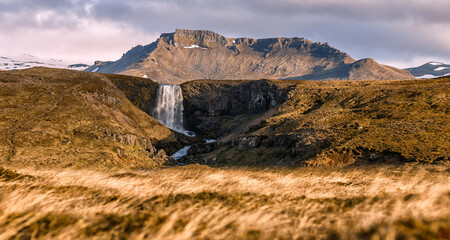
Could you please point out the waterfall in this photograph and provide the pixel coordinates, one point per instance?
(169, 107)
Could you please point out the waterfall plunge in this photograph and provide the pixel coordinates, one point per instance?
(169, 108)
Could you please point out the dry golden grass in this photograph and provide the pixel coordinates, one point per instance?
(56, 117)
(198, 202)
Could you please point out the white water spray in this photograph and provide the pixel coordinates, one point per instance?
(169, 107)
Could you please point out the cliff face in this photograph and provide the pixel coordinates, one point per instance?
(214, 108)
(188, 55)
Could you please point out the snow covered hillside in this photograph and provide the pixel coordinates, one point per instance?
(28, 61)
(430, 70)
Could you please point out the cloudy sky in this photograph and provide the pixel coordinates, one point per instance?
(401, 33)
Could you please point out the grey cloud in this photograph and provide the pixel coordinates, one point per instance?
(383, 10)
(30, 5)
(23, 14)
(386, 29)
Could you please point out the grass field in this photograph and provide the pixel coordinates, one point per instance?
(198, 202)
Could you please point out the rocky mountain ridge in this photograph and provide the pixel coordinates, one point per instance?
(201, 54)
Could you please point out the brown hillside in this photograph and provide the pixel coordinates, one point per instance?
(56, 117)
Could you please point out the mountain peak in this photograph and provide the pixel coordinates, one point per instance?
(364, 62)
(183, 37)
(196, 33)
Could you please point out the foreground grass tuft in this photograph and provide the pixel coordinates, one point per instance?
(9, 175)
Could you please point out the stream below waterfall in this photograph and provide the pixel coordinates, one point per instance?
(181, 153)
(184, 151)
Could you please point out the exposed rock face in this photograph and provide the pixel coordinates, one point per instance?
(209, 104)
(188, 55)
(246, 143)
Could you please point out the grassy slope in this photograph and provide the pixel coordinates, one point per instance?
(338, 122)
(52, 117)
(197, 202)
(140, 91)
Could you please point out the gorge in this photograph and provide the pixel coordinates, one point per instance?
(282, 122)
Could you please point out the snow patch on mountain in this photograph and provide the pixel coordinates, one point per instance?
(440, 68)
(426, 76)
(195, 46)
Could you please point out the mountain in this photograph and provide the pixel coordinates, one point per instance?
(430, 70)
(25, 61)
(198, 54)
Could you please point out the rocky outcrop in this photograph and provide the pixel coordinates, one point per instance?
(198, 54)
(213, 108)
(246, 143)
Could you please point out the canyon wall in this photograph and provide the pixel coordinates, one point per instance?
(214, 108)
(330, 123)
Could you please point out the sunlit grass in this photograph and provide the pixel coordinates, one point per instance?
(206, 203)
